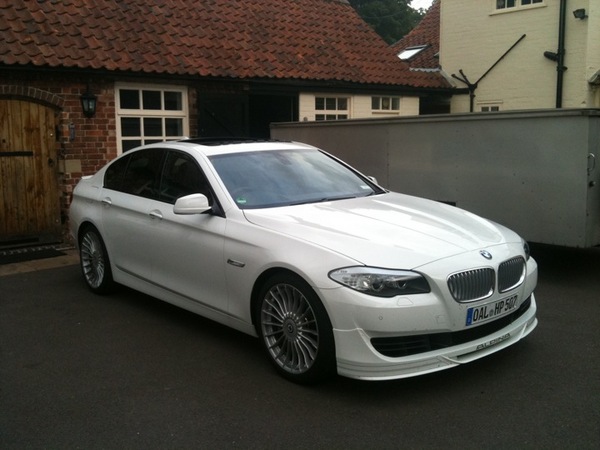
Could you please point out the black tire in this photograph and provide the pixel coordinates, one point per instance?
(95, 264)
(295, 330)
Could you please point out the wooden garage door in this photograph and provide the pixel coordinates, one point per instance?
(29, 195)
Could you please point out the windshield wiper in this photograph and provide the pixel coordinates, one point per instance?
(321, 200)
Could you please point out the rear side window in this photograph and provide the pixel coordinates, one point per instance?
(136, 174)
(115, 174)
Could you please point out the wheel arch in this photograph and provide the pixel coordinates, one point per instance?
(82, 227)
(268, 273)
(258, 284)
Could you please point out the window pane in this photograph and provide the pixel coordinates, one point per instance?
(173, 101)
(152, 141)
(319, 103)
(375, 102)
(181, 176)
(330, 117)
(342, 103)
(152, 126)
(320, 117)
(115, 174)
(151, 99)
(142, 173)
(174, 127)
(342, 116)
(128, 145)
(395, 103)
(130, 126)
(330, 104)
(385, 103)
(129, 99)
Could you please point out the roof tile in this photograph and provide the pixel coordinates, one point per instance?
(274, 39)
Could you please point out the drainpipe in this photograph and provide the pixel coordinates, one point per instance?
(560, 63)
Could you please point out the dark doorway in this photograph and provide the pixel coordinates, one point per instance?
(222, 115)
(266, 109)
(247, 115)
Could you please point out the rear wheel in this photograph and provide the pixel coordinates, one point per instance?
(95, 264)
(295, 330)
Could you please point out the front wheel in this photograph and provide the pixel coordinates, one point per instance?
(295, 330)
(95, 264)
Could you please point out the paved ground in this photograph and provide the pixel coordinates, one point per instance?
(128, 371)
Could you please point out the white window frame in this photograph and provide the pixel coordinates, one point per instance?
(142, 113)
(332, 114)
(489, 106)
(518, 5)
(393, 101)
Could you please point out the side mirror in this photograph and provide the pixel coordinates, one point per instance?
(191, 204)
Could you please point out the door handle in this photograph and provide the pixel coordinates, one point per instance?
(106, 201)
(155, 214)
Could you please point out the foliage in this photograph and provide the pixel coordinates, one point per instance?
(391, 19)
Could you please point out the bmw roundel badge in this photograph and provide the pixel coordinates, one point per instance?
(485, 254)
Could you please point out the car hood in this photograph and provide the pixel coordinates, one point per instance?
(388, 230)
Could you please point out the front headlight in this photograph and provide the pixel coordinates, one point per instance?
(526, 250)
(381, 282)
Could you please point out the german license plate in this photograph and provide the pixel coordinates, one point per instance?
(489, 311)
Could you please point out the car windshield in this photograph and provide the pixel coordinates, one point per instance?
(265, 179)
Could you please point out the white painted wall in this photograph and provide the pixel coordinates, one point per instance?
(474, 35)
(360, 106)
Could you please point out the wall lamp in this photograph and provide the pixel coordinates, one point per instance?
(88, 103)
(580, 14)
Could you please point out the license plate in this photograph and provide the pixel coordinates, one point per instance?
(483, 313)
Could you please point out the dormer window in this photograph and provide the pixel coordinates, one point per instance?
(409, 52)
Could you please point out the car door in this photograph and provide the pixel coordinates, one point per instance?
(130, 189)
(186, 250)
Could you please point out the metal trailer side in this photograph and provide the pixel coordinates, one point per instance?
(533, 171)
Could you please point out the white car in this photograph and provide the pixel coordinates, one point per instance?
(283, 241)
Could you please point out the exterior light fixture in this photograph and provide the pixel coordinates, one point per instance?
(88, 103)
(580, 14)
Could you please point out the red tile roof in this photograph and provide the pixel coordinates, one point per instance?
(427, 32)
(316, 40)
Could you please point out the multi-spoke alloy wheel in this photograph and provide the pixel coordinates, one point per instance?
(94, 261)
(295, 329)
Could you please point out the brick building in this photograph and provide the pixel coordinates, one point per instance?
(159, 70)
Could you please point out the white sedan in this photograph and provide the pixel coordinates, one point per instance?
(283, 241)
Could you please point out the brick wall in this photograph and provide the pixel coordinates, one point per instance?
(83, 144)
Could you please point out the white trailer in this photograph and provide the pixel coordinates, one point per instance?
(533, 171)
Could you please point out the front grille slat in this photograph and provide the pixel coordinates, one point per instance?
(472, 285)
(478, 284)
(511, 274)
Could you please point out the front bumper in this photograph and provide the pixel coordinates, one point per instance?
(357, 358)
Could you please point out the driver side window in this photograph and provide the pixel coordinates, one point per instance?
(182, 176)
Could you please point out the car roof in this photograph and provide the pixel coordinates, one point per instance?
(223, 146)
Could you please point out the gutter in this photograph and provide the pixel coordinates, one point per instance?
(560, 64)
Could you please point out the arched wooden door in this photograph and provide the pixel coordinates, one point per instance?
(29, 194)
